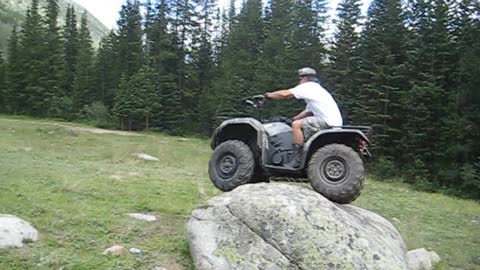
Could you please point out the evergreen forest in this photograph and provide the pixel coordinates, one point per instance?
(410, 69)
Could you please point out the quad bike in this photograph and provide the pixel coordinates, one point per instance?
(247, 150)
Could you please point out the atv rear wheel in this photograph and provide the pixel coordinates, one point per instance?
(336, 171)
(231, 165)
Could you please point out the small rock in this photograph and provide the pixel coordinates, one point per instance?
(135, 251)
(115, 250)
(183, 140)
(14, 232)
(146, 157)
(159, 268)
(421, 259)
(145, 217)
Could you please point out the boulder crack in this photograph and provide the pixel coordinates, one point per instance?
(264, 239)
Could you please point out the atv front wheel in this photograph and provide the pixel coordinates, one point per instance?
(231, 165)
(336, 171)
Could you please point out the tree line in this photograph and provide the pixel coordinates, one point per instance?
(411, 70)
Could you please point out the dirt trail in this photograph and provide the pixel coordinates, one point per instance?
(80, 128)
(97, 130)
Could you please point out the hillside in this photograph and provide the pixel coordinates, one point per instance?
(13, 12)
(76, 186)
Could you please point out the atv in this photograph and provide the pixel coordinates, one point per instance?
(247, 150)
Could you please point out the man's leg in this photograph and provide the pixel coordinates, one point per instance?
(297, 126)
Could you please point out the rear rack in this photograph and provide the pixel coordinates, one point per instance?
(364, 129)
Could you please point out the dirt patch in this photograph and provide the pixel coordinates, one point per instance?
(97, 130)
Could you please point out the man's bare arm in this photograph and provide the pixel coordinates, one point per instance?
(280, 94)
(302, 115)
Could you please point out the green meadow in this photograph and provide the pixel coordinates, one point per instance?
(76, 187)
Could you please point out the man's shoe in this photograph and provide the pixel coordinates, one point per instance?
(297, 157)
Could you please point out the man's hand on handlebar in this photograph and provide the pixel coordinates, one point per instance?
(256, 101)
(280, 94)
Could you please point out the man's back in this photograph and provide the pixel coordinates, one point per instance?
(319, 102)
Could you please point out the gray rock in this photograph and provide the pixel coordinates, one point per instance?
(145, 157)
(144, 217)
(14, 232)
(421, 259)
(280, 226)
(115, 250)
(135, 251)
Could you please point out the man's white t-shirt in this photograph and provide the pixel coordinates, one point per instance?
(319, 102)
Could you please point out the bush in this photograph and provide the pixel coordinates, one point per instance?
(422, 184)
(470, 177)
(61, 107)
(384, 168)
(98, 114)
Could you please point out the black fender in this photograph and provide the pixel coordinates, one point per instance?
(248, 130)
(327, 136)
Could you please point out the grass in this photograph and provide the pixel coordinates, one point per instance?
(76, 188)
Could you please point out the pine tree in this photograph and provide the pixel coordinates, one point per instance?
(467, 43)
(344, 63)
(143, 95)
(70, 34)
(382, 79)
(107, 72)
(14, 92)
(34, 97)
(220, 42)
(130, 46)
(433, 70)
(136, 99)
(53, 71)
(183, 25)
(164, 60)
(3, 96)
(148, 26)
(203, 67)
(240, 61)
(309, 17)
(278, 59)
(83, 90)
(123, 106)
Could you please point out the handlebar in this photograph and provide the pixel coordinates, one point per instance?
(256, 101)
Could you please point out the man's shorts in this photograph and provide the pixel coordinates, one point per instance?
(312, 125)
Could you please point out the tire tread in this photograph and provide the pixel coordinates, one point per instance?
(345, 192)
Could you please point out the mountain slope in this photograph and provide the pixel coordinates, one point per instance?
(13, 12)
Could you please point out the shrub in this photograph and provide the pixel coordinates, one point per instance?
(470, 177)
(96, 113)
(384, 168)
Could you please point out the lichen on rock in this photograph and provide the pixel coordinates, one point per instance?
(279, 226)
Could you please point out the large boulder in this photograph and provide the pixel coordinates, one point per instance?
(14, 232)
(281, 226)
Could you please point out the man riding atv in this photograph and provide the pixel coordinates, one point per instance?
(321, 112)
(251, 150)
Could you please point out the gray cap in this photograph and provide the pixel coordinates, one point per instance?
(306, 71)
